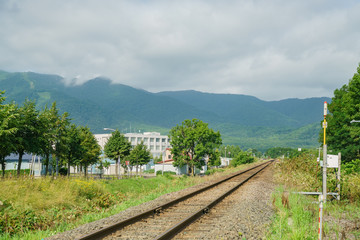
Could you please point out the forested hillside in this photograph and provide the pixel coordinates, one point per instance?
(242, 120)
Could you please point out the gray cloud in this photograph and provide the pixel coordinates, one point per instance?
(269, 49)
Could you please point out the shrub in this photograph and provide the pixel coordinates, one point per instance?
(351, 187)
(352, 167)
(165, 172)
(149, 171)
(242, 158)
(213, 170)
(88, 188)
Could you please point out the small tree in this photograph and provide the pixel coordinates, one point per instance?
(242, 158)
(8, 129)
(214, 159)
(116, 148)
(106, 164)
(26, 138)
(140, 155)
(73, 148)
(90, 148)
(191, 142)
(48, 118)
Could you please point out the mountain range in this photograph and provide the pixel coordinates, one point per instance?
(242, 120)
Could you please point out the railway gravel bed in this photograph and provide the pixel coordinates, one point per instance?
(245, 214)
(87, 228)
(153, 226)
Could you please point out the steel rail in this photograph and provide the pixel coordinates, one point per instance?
(175, 229)
(107, 230)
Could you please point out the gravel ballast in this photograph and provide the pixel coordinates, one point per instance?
(248, 212)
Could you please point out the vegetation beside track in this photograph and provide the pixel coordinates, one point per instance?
(38, 208)
(297, 216)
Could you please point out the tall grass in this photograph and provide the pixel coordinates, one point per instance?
(303, 173)
(296, 217)
(38, 208)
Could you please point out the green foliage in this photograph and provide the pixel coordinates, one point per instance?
(140, 155)
(117, 148)
(242, 158)
(352, 167)
(150, 171)
(281, 151)
(49, 203)
(304, 173)
(191, 142)
(214, 158)
(296, 217)
(231, 150)
(90, 148)
(160, 172)
(341, 135)
(301, 171)
(213, 170)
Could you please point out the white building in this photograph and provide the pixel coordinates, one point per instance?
(156, 143)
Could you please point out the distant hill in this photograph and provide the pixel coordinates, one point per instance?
(251, 111)
(243, 120)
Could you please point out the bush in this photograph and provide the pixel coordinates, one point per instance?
(352, 167)
(165, 173)
(88, 189)
(351, 187)
(242, 158)
(149, 171)
(214, 170)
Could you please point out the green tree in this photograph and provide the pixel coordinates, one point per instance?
(140, 155)
(26, 138)
(73, 148)
(116, 148)
(341, 135)
(191, 142)
(242, 158)
(106, 164)
(62, 139)
(231, 150)
(48, 118)
(281, 151)
(8, 129)
(214, 158)
(91, 150)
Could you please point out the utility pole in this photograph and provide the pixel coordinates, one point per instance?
(322, 197)
(324, 154)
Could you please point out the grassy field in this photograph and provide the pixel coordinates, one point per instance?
(297, 216)
(38, 208)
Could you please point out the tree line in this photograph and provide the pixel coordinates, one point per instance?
(62, 144)
(47, 133)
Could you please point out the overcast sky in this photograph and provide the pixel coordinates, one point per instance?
(271, 49)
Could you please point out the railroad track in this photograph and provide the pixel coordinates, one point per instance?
(165, 221)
